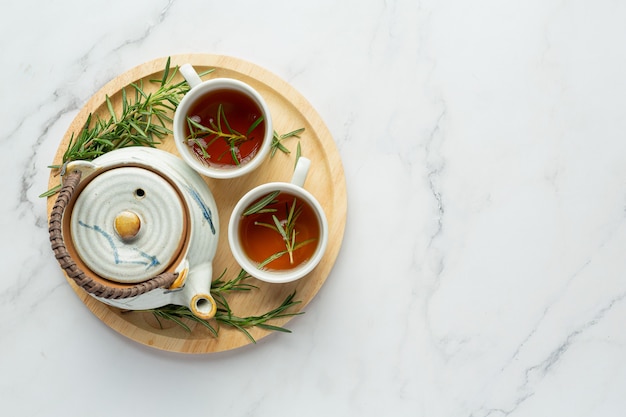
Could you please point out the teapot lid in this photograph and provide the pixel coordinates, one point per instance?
(128, 224)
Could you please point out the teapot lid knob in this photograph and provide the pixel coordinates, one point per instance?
(127, 224)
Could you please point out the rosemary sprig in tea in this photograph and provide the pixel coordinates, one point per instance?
(225, 316)
(286, 229)
(205, 136)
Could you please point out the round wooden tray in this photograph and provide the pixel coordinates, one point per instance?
(325, 181)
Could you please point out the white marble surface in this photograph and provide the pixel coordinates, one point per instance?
(483, 271)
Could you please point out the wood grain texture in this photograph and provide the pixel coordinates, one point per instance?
(326, 181)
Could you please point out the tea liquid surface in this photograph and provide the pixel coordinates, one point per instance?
(240, 112)
(260, 242)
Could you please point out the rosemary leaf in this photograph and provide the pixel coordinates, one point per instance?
(220, 110)
(124, 101)
(192, 123)
(208, 326)
(52, 191)
(233, 154)
(261, 204)
(237, 326)
(166, 72)
(137, 128)
(139, 91)
(290, 218)
(267, 210)
(280, 228)
(295, 133)
(273, 328)
(254, 125)
(110, 106)
(203, 73)
(298, 155)
(164, 314)
(271, 259)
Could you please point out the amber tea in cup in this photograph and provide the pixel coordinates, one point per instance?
(226, 128)
(278, 231)
(282, 235)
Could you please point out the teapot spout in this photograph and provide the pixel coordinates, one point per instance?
(197, 292)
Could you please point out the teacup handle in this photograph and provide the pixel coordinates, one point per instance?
(301, 171)
(190, 75)
(69, 266)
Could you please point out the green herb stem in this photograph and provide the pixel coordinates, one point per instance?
(286, 229)
(225, 316)
(204, 136)
(143, 121)
(277, 141)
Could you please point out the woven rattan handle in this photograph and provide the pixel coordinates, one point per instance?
(73, 271)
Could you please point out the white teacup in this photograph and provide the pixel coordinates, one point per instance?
(255, 238)
(217, 158)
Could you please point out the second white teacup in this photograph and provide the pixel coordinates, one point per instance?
(278, 231)
(222, 127)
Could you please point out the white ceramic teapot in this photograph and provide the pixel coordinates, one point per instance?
(137, 228)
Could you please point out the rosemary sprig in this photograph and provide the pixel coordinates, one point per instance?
(205, 136)
(143, 121)
(286, 228)
(243, 323)
(219, 289)
(288, 231)
(52, 191)
(277, 141)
